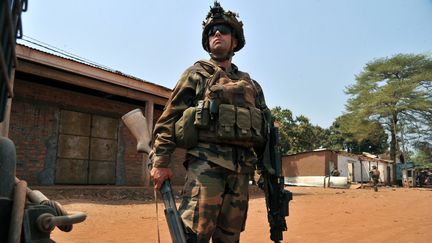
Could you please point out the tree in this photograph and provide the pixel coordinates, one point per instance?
(423, 154)
(354, 135)
(396, 92)
(286, 124)
(297, 135)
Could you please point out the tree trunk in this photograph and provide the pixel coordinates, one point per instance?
(393, 146)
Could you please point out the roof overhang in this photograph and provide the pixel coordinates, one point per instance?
(68, 71)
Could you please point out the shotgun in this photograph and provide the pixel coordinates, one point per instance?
(137, 124)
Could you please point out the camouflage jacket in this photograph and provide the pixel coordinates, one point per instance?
(375, 173)
(188, 90)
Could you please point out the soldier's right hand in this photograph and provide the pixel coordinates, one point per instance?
(159, 175)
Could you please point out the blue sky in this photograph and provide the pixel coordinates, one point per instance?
(304, 53)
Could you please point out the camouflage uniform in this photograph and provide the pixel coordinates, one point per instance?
(375, 174)
(215, 201)
(215, 196)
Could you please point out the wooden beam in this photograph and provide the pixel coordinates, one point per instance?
(83, 81)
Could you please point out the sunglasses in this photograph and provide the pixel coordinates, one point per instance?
(223, 29)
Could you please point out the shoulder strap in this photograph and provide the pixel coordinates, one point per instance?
(209, 67)
(211, 72)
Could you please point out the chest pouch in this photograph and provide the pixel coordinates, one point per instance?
(257, 125)
(226, 121)
(243, 123)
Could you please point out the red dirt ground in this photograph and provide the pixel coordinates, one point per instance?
(316, 215)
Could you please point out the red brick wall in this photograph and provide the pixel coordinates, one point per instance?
(31, 129)
(34, 129)
(133, 161)
(305, 164)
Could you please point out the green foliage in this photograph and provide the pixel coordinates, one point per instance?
(346, 133)
(396, 93)
(356, 136)
(297, 135)
(423, 153)
(286, 124)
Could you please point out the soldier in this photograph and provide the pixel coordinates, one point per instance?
(218, 114)
(375, 174)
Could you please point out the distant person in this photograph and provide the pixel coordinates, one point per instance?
(375, 175)
(420, 178)
(335, 172)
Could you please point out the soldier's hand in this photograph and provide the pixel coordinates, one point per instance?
(159, 175)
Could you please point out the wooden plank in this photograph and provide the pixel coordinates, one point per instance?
(103, 149)
(104, 127)
(71, 171)
(101, 172)
(75, 123)
(73, 147)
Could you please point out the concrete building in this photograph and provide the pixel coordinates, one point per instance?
(65, 120)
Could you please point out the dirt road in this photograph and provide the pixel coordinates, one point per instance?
(317, 215)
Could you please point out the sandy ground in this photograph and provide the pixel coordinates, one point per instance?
(316, 215)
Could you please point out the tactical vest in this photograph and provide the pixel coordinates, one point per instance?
(226, 112)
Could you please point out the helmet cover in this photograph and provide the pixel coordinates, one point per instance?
(217, 15)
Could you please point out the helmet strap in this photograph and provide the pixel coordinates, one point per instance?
(219, 58)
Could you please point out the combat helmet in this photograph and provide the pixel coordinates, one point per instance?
(217, 15)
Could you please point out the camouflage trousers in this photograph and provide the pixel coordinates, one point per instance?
(215, 202)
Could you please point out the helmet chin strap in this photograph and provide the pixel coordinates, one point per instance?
(223, 58)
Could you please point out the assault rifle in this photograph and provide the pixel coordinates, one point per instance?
(272, 182)
(137, 124)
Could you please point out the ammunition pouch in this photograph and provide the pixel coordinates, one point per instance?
(234, 125)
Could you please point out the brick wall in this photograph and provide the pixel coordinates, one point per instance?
(306, 164)
(34, 129)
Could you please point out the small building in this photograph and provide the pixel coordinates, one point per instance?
(357, 167)
(416, 175)
(319, 168)
(409, 176)
(65, 121)
(399, 168)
